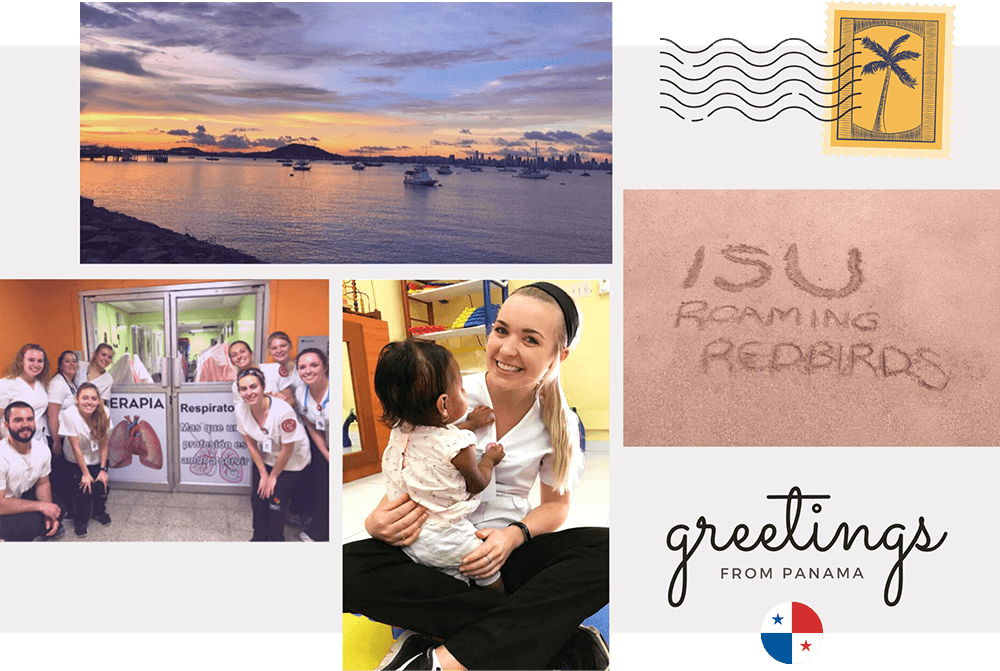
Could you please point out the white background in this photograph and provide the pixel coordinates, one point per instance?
(957, 489)
(39, 217)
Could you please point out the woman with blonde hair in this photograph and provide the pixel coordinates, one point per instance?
(279, 448)
(85, 428)
(553, 579)
(279, 346)
(27, 380)
(275, 384)
(312, 401)
(96, 371)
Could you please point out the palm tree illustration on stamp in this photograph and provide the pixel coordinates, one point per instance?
(896, 63)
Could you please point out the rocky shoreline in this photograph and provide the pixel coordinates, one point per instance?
(112, 237)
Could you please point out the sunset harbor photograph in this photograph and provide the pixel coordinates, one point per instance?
(345, 133)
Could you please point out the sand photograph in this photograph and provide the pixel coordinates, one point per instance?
(811, 318)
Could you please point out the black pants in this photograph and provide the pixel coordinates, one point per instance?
(269, 513)
(552, 584)
(84, 502)
(24, 526)
(317, 475)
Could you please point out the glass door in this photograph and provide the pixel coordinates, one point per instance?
(172, 406)
(212, 454)
(134, 325)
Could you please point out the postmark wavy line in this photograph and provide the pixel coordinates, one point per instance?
(750, 104)
(759, 93)
(733, 39)
(761, 79)
(766, 65)
(728, 93)
(669, 109)
(784, 109)
(836, 104)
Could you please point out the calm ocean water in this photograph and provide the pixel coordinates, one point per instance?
(333, 214)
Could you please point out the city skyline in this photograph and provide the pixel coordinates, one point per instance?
(350, 78)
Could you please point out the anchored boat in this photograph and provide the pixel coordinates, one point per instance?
(418, 177)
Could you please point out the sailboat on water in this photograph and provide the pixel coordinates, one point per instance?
(535, 171)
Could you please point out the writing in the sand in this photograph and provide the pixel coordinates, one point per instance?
(892, 538)
(780, 354)
(746, 255)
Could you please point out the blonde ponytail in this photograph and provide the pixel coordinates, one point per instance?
(556, 418)
(556, 415)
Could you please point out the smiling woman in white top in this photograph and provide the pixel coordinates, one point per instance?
(96, 371)
(62, 388)
(279, 449)
(277, 381)
(279, 346)
(313, 399)
(85, 428)
(27, 380)
(554, 578)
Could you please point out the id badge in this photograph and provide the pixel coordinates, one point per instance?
(266, 445)
(94, 446)
(321, 424)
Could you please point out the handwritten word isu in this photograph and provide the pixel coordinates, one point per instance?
(744, 255)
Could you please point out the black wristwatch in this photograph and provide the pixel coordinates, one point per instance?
(104, 468)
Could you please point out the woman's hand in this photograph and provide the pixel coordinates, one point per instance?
(85, 483)
(267, 485)
(262, 487)
(396, 522)
(103, 477)
(486, 560)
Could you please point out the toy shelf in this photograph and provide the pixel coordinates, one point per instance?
(458, 290)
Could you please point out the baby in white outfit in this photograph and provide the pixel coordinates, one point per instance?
(420, 386)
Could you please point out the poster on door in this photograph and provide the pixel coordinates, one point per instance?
(137, 447)
(212, 450)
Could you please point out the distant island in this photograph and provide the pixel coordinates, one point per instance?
(304, 152)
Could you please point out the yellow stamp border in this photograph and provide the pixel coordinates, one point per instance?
(837, 137)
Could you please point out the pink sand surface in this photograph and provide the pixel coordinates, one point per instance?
(908, 357)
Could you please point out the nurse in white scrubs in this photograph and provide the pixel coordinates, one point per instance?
(279, 449)
(27, 380)
(279, 346)
(554, 578)
(62, 395)
(312, 400)
(96, 371)
(277, 381)
(62, 388)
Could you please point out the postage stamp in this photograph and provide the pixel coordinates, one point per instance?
(892, 92)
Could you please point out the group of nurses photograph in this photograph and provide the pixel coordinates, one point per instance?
(72, 421)
(281, 412)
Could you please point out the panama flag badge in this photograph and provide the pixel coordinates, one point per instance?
(791, 632)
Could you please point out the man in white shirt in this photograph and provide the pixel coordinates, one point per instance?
(26, 509)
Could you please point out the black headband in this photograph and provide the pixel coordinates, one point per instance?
(566, 304)
(256, 372)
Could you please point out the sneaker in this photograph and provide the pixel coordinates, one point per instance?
(60, 532)
(80, 530)
(103, 518)
(586, 649)
(409, 646)
(426, 660)
(304, 537)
